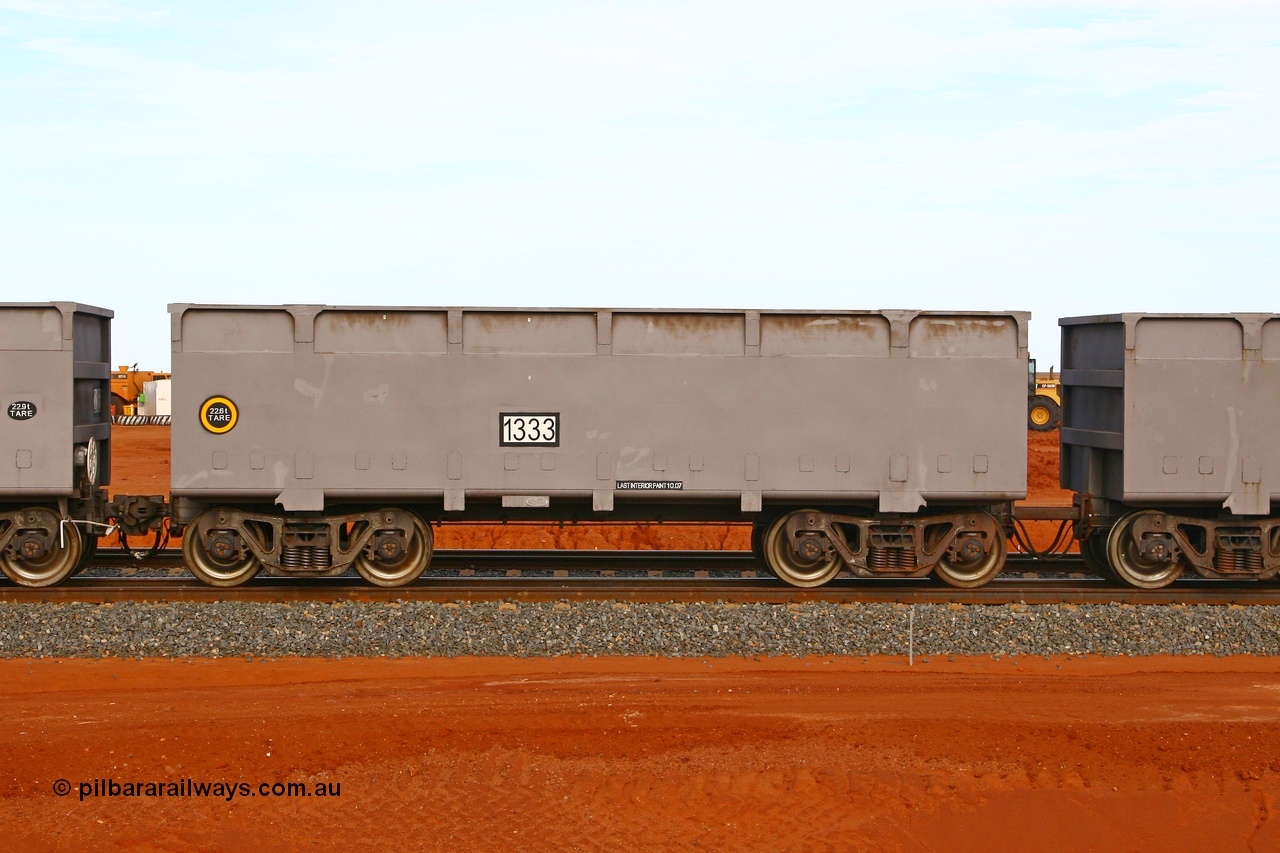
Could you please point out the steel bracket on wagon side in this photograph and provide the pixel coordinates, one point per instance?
(905, 547)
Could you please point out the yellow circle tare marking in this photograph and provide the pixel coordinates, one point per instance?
(218, 415)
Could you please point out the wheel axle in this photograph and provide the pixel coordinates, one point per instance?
(31, 546)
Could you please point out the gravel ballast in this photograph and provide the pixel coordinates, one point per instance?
(594, 628)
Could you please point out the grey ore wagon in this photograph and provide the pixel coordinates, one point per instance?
(55, 429)
(1169, 438)
(307, 438)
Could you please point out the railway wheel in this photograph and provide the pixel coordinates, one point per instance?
(792, 568)
(39, 554)
(1128, 562)
(973, 560)
(213, 554)
(87, 553)
(401, 564)
(758, 531)
(1043, 414)
(1093, 551)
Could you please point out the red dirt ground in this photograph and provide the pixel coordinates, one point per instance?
(964, 754)
(633, 753)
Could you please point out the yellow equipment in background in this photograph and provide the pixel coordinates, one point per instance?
(1044, 399)
(126, 384)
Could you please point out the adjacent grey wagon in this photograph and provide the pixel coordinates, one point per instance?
(55, 428)
(308, 439)
(1169, 437)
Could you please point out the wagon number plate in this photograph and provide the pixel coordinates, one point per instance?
(529, 429)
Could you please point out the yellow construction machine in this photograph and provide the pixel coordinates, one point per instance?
(1044, 399)
(126, 384)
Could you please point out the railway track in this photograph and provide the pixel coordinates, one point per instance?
(635, 576)
(494, 560)
(548, 560)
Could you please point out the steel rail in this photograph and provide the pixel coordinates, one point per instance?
(548, 559)
(1004, 590)
(453, 560)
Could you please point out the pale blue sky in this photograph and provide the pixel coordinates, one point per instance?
(1064, 159)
